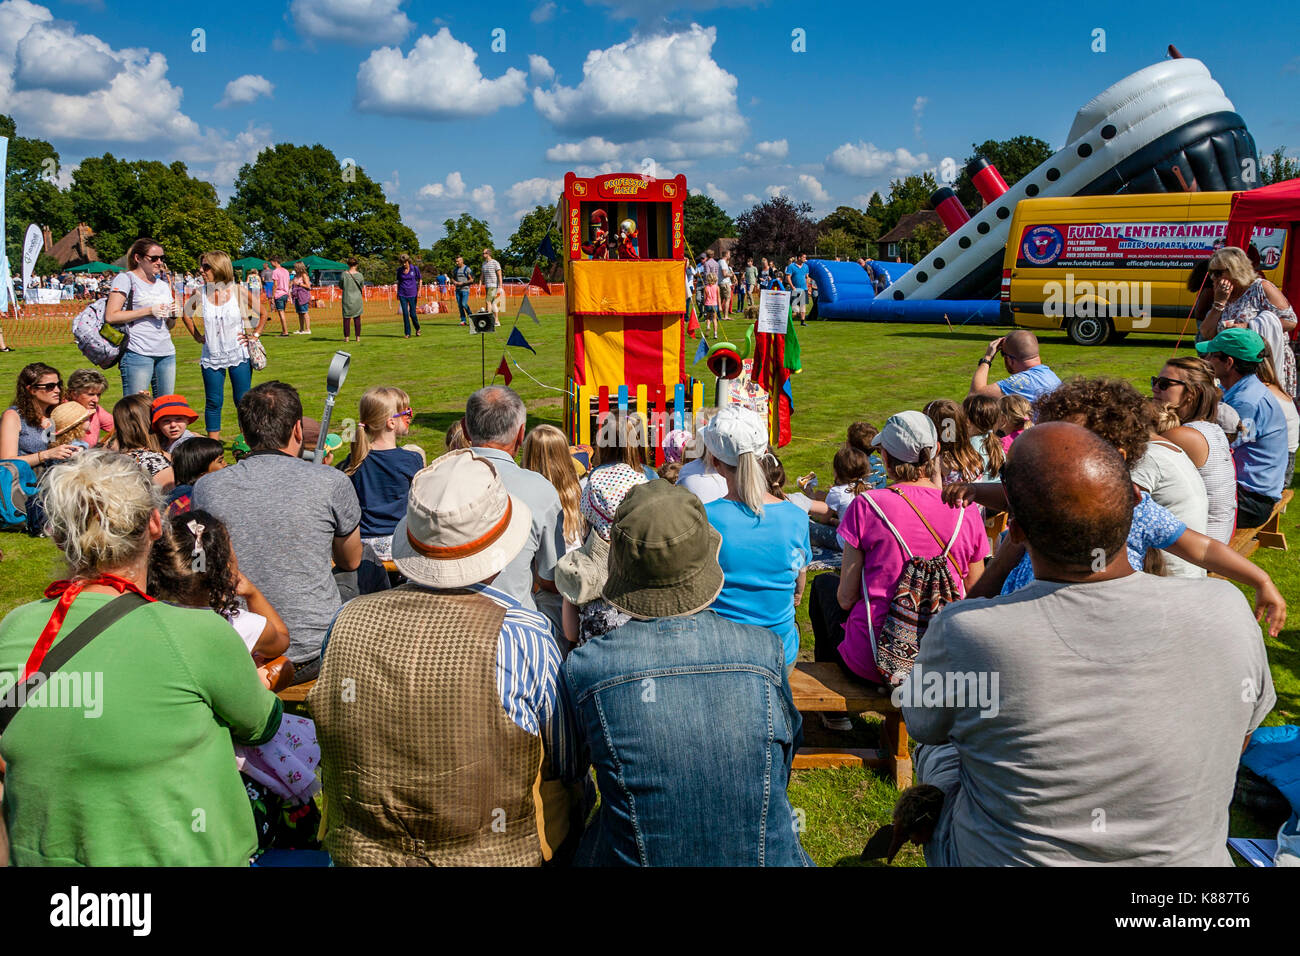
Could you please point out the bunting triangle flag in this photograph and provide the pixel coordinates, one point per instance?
(539, 280)
(547, 249)
(518, 341)
(701, 351)
(526, 308)
(692, 320)
(504, 370)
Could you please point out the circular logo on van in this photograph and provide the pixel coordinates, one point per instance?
(1042, 245)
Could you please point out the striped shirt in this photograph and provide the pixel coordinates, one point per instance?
(528, 673)
(491, 274)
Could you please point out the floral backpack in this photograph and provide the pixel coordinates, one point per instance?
(925, 586)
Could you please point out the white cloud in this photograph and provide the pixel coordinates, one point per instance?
(245, 89)
(813, 189)
(542, 12)
(438, 79)
(540, 69)
(63, 178)
(774, 191)
(660, 95)
(918, 110)
(57, 59)
(716, 193)
(484, 197)
(866, 160)
(137, 105)
(360, 22)
(538, 191)
(773, 148)
(453, 188)
(749, 197)
(593, 149)
(217, 157)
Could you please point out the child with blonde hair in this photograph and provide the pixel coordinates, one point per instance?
(1017, 415)
(381, 472)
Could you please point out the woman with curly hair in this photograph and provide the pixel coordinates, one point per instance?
(1114, 410)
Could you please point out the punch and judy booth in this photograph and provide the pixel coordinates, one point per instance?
(625, 303)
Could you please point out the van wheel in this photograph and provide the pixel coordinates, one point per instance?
(1116, 336)
(1089, 330)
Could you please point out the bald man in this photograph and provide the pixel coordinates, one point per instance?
(1028, 375)
(1097, 715)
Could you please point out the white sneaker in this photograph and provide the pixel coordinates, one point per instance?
(836, 723)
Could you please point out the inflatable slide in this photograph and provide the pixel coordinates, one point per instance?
(1166, 128)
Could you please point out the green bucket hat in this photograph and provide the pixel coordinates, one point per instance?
(1244, 344)
(663, 554)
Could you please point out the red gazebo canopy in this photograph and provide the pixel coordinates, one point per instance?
(1277, 205)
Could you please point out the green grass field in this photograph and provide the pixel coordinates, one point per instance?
(852, 372)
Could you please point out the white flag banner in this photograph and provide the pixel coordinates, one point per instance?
(33, 243)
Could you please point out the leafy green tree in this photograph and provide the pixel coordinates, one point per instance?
(704, 222)
(189, 229)
(836, 242)
(45, 265)
(466, 236)
(299, 200)
(123, 200)
(377, 269)
(1014, 158)
(31, 194)
(1274, 168)
(860, 229)
(777, 228)
(910, 194)
(522, 250)
(926, 238)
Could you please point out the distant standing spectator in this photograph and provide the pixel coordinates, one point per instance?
(252, 280)
(408, 293)
(797, 271)
(353, 284)
(268, 284)
(462, 276)
(284, 543)
(749, 291)
(224, 337)
(726, 277)
(442, 285)
(280, 293)
(150, 358)
(492, 288)
(302, 298)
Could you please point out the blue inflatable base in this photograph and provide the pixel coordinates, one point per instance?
(958, 311)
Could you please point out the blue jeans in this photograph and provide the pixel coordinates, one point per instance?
(144, 372)
(214, 390)
(691, 730)
(408, 313)
(462, 302)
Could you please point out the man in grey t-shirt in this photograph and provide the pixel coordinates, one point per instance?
(492, 287)
(1097, 715)
(287, 518)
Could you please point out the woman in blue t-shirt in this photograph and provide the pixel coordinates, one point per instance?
(765, 549)
(381, 472)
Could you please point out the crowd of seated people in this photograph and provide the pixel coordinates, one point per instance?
(541, 627)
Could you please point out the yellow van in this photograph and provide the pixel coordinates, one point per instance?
(1101, 267)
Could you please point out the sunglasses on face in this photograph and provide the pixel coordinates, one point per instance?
(409, 413)
(156, 258)
(1162, 383)
(48, 386)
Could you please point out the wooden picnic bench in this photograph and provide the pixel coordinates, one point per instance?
(1267, 535)
(819, 688)
(297, 693)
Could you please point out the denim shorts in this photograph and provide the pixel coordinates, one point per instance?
(280, 302)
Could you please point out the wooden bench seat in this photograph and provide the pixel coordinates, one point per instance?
(818, 688)
(297, 693)
(1267, 535)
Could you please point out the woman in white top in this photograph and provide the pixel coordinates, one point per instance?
(225, 336)
(150, 358)
(1267, 373)
(1187, 383)
(1166, 473)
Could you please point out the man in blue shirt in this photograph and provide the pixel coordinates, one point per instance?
(797, 270)
(1028, 375)
(1260, 451)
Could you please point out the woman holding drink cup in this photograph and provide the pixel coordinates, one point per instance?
(150, 359)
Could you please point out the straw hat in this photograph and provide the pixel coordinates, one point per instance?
(461, 525)
(68, 415)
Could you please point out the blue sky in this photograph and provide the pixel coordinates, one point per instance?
(414, 92)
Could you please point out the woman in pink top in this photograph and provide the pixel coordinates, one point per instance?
(843, 620)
